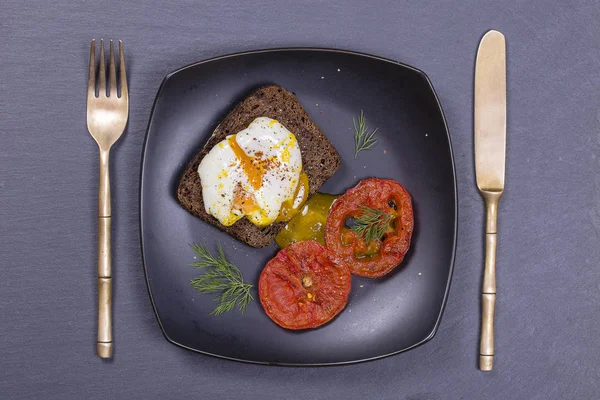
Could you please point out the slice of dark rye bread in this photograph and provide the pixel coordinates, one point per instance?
(320, 160)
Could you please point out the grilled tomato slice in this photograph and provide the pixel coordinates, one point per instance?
(378, 244)
(304, 286)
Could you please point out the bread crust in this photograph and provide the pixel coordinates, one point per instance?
(320, 160)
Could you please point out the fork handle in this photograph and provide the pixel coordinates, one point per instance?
(488, 296)
(105, 340)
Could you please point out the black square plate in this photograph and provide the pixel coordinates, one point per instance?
(383, 316)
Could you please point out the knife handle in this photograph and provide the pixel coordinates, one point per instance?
(488, 297)
(105, 339)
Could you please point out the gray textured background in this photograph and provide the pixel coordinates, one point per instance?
(548, 311)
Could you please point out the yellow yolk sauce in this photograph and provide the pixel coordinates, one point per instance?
(309, 223)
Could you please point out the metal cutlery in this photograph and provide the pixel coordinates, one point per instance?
(490, 156)
(107, 115)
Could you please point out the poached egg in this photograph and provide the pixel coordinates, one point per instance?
(254, 173)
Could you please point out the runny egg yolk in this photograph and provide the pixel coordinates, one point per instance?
(253, 170)
(243, 201)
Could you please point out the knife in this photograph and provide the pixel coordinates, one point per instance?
(490, 156)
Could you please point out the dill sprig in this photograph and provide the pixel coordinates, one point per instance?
(222, 277)
(363, 140)
(372, 224)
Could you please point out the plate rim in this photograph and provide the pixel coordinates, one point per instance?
(300, 49)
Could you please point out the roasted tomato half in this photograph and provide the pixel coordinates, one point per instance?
(304, 286)
(378, 244)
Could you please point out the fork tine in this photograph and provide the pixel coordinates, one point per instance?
(122, 73)
(92, 71)
(112, 74)
(102, 72)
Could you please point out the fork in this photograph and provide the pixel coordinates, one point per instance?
(107, 115)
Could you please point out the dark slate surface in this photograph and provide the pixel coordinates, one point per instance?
(548, 312)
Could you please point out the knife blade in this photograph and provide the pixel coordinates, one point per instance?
(490, 112)
(490, 158)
